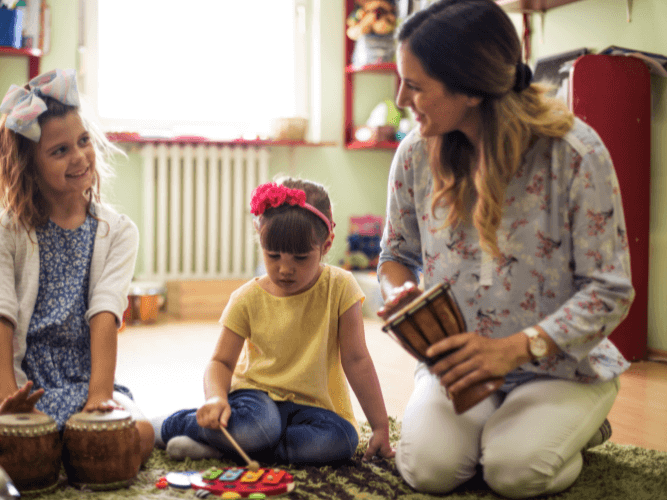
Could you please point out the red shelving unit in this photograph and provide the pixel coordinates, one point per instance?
(33, 56)
(531, 5)
(350, 72)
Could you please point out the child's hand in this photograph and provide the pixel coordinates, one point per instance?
(214, 413)
(378, 445)
(21, 401)
(101, 403)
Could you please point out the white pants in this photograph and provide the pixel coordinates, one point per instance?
(528, 442)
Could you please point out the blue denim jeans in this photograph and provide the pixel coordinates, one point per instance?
(271, 431)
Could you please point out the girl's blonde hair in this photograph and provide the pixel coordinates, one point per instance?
(472, 47)
(19, 193)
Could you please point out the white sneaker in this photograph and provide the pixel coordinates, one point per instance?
(182, 447)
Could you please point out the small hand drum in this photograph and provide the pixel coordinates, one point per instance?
(101, 450)
(30, 451)
(429, 318)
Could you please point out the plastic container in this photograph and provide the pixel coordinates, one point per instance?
(373, 49)
(144, 301)
(11, 26)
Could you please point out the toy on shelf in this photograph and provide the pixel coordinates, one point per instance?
(371, 25)
(382, 124)
(404, 126)
(363, 243)
(231, 482)
(371, 16)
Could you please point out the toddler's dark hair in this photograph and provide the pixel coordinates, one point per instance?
(292, 229)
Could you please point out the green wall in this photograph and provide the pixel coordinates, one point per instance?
(357, 179)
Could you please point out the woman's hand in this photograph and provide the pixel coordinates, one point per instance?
(475, 359)
(214, 413)
(22, 401)
(399, 297)
(378, 445)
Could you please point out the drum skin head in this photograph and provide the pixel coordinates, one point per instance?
(24, 419)
(100, 416)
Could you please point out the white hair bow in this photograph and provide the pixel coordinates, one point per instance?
(23, 107)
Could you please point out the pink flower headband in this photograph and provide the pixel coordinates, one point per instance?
(272, 195)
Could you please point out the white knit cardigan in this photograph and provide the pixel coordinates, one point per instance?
(111, 270)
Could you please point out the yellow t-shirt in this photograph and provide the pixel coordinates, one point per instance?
(292, 351)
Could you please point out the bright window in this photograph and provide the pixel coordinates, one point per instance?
(218, 68)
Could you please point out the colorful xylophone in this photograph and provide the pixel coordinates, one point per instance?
(232, 482)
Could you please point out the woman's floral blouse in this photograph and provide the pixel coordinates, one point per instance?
(565, 263)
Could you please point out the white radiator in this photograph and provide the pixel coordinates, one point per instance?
(197, 222)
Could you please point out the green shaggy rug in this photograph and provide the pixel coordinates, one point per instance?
(611, 472)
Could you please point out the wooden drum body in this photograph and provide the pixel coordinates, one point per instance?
(30, 451)
(101, 450)
(429, 318)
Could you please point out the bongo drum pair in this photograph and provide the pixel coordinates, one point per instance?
(429, 318)
(100, 450)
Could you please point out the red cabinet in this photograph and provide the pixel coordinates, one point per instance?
(613, 95)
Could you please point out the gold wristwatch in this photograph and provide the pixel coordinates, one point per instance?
(536, 345)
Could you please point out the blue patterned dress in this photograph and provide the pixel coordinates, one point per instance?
(58, 357)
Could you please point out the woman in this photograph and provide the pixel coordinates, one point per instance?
(502, 193)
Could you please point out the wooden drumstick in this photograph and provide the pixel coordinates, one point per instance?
(252, 465)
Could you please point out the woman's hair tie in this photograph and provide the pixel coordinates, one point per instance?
(272, 195)
(23, 107)
(524, 76)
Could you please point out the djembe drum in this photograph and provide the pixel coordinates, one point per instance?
(30, 451)
(429, 318)
(101, 450)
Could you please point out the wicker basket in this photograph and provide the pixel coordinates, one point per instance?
(289, 129)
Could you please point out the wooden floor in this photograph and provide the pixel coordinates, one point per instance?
(163, 365)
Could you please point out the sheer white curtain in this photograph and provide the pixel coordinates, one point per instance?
(217, 68)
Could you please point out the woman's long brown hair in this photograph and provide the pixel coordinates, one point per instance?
(472, 47)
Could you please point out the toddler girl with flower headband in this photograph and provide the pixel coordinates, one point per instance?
(66, 259)
(290, 338)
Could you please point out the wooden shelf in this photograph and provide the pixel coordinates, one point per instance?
(544, 5)
(532, 5)
(371, 68)
(33, 56)
(10, 51)
(134, 138)
(372, 145)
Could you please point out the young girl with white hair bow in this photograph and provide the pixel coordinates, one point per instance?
(66, 259)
